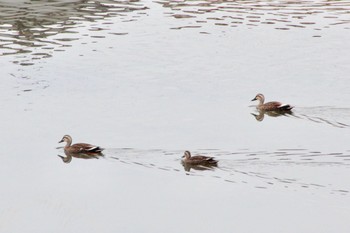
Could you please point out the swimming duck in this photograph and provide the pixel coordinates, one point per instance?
(198, 159)
(271, 106)
(79, 148)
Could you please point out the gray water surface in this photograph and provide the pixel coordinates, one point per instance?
(148, 80)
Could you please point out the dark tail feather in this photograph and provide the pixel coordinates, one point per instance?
(286, 107)
(212, 161)
(96, 150)
(99, 149)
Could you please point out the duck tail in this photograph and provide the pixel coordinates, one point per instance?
(285, 107)
(95, 149)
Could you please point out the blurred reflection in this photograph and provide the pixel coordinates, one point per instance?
(40, 27)
(261, 114)
(188, 167)
(69, 156)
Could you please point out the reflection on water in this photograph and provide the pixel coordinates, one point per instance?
(204, 167)
(282, 15)
(40, 27)
(261, 114)
(323, 115)
(285, 168)
(35, 29)
(69, 156)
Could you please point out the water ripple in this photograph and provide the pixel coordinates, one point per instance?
(281, 15)
(38, 28)
(320, 114)
(34, 30)
(291, 169)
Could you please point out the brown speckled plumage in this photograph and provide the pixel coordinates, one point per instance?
(79, 148)
(198, 159)
(271, 106)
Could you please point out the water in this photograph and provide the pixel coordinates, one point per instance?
(149, 79)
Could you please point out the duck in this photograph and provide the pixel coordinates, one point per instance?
(79, 148)
(271, 106)
(198, 159)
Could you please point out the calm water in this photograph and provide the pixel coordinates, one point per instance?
(149, 79)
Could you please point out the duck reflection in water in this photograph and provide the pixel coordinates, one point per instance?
(69, 156)
(261, 114)
(79, 150)
(198, 162)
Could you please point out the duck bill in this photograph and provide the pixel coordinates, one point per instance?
(254, 99)
(60, 141)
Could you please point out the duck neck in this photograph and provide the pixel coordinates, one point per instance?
(261, 101)
(68, 144)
